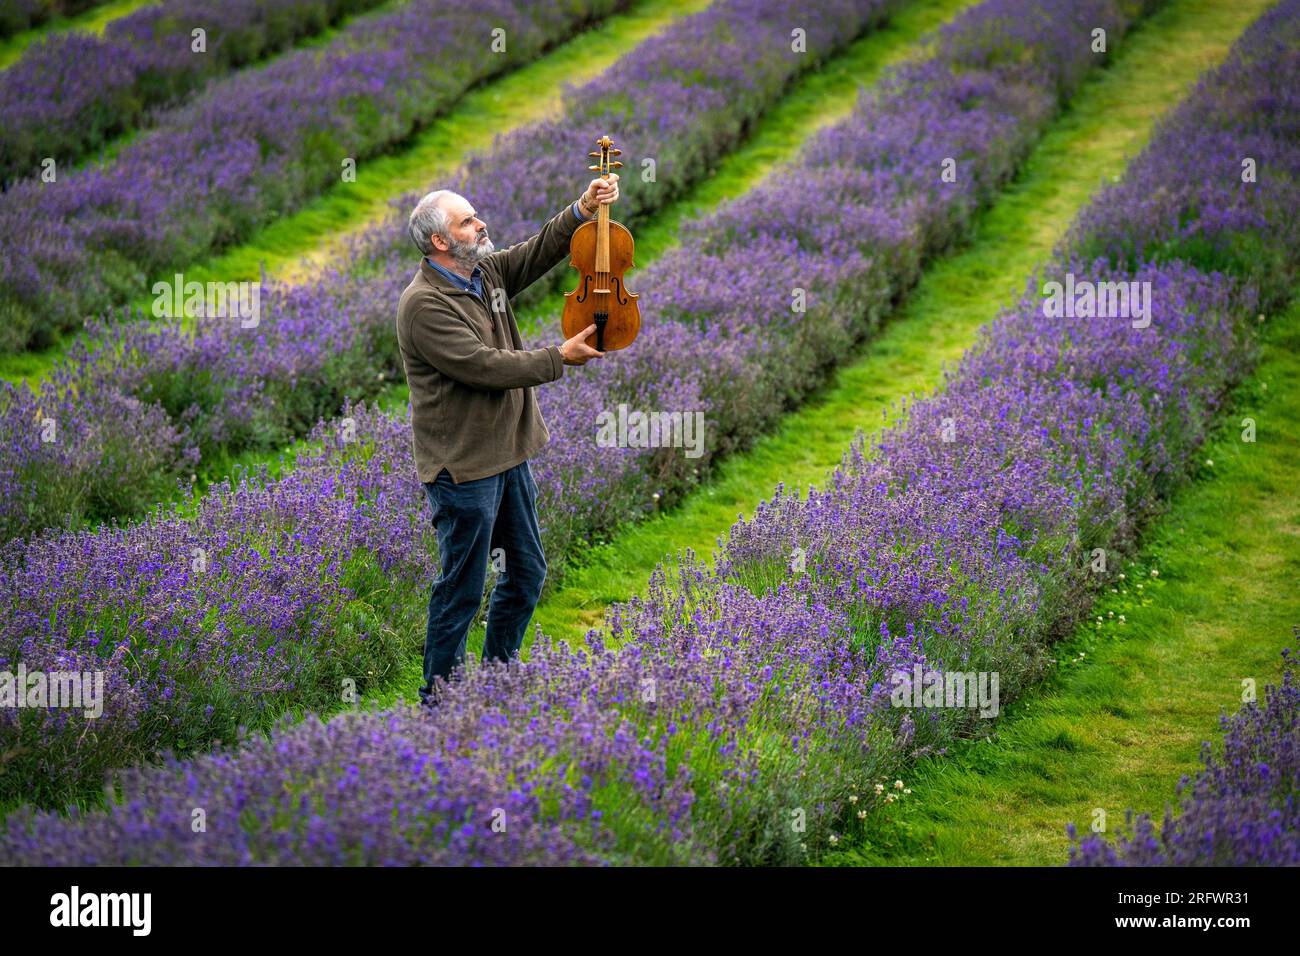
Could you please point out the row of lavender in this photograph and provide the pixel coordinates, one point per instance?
(18, 15)
(177, 397)
(269, 596)
(251, 147)
(73, 91)
(755, 727)
(51, 577)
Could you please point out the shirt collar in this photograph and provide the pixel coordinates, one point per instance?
(460, 281)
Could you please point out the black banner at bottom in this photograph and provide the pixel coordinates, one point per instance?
(339, 906)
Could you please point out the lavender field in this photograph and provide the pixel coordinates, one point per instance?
(895, 539)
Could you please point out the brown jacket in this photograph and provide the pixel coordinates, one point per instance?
(473, 410)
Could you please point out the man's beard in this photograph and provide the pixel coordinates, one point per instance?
(466, 255)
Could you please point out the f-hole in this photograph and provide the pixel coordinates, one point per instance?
(582, 294)
(619, 295)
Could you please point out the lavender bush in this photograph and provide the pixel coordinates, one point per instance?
(616, 746)
(269, 595)
(1220, 201)
(73, 91)
(248, 149)
(1243, 809)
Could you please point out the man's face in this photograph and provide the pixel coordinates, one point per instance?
(469, 238)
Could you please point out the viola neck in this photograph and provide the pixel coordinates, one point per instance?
(602, 238)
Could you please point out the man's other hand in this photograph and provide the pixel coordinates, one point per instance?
(576, 351)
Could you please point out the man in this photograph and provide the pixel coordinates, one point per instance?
(475, 418)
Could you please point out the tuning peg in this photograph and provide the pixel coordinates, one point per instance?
(617, 152)
(616, 163)
(594, 154)
(593, 167)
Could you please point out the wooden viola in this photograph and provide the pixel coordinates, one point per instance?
(601, 251)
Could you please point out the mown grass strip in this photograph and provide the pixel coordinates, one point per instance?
(1125, 716)
(93, 20)
(1107, 122)
(293, 247)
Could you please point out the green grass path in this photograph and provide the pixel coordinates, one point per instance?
(1109, 121)
(1117, 728)
(93, 20)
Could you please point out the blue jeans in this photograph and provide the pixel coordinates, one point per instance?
(488, 520)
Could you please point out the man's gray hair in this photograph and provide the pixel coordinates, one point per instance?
(428, 219)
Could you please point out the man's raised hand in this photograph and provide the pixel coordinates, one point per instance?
(600, 191)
